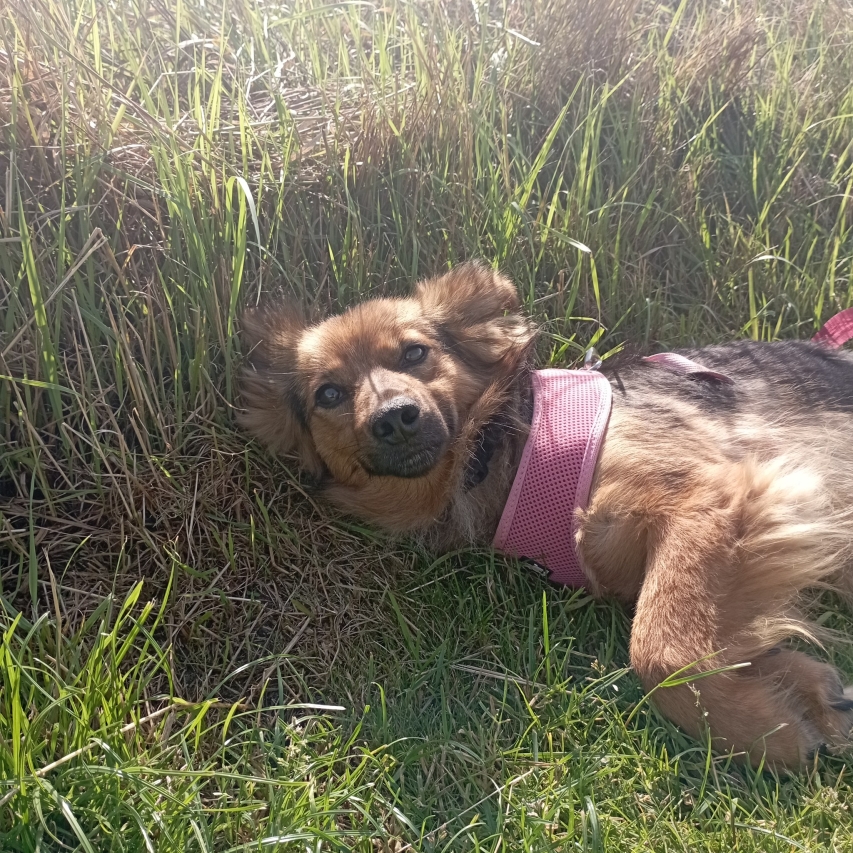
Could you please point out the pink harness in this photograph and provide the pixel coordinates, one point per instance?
(570, 413)
(571, 409)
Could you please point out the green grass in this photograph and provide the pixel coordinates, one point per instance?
(198, 657)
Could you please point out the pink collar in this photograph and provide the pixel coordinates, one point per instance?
(570, 413)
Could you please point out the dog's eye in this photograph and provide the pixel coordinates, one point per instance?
(414, 354)
(328, 396)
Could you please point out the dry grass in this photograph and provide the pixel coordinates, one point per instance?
(647, 172)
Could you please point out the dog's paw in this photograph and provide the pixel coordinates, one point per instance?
(839, 712)
(815, 692)
(829, 711)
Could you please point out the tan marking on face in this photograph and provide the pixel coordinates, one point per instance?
(362, 354)
(397, 442)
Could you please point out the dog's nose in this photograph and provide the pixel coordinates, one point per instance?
(397, 421)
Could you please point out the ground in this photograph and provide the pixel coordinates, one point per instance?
(197, 655)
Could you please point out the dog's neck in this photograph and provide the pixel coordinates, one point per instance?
(473, 513)
(491, 436)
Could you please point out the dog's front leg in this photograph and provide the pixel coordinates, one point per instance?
(781, 706)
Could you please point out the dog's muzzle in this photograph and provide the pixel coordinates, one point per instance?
(407, 440)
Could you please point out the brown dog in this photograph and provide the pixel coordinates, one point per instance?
(712, 509)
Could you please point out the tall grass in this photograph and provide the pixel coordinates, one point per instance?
(649, 173)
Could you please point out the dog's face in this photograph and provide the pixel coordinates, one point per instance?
(379, 394)
(381, 400)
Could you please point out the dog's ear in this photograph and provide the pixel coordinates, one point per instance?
(274, 406)
(478, 311)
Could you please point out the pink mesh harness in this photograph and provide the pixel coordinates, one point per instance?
(570, 413)
(571, 409)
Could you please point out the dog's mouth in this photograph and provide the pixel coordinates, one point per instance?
(405, 438)
(404, 462)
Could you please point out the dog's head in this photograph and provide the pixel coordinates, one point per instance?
(383, 401)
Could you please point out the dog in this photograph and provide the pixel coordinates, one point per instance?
(719, 497)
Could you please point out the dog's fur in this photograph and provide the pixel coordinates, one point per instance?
(713, 508)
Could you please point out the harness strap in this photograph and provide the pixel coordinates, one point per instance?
(679, 364)
(571, 409)
(837, 330)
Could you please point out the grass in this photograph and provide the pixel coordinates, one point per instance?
(195, 655)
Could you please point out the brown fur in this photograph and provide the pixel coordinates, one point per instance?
(711, 514)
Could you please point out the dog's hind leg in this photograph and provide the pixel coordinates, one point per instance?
(719, 591)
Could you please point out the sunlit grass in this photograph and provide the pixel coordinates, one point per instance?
(649, 173)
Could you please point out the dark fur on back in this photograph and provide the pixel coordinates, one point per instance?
(796, 374)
